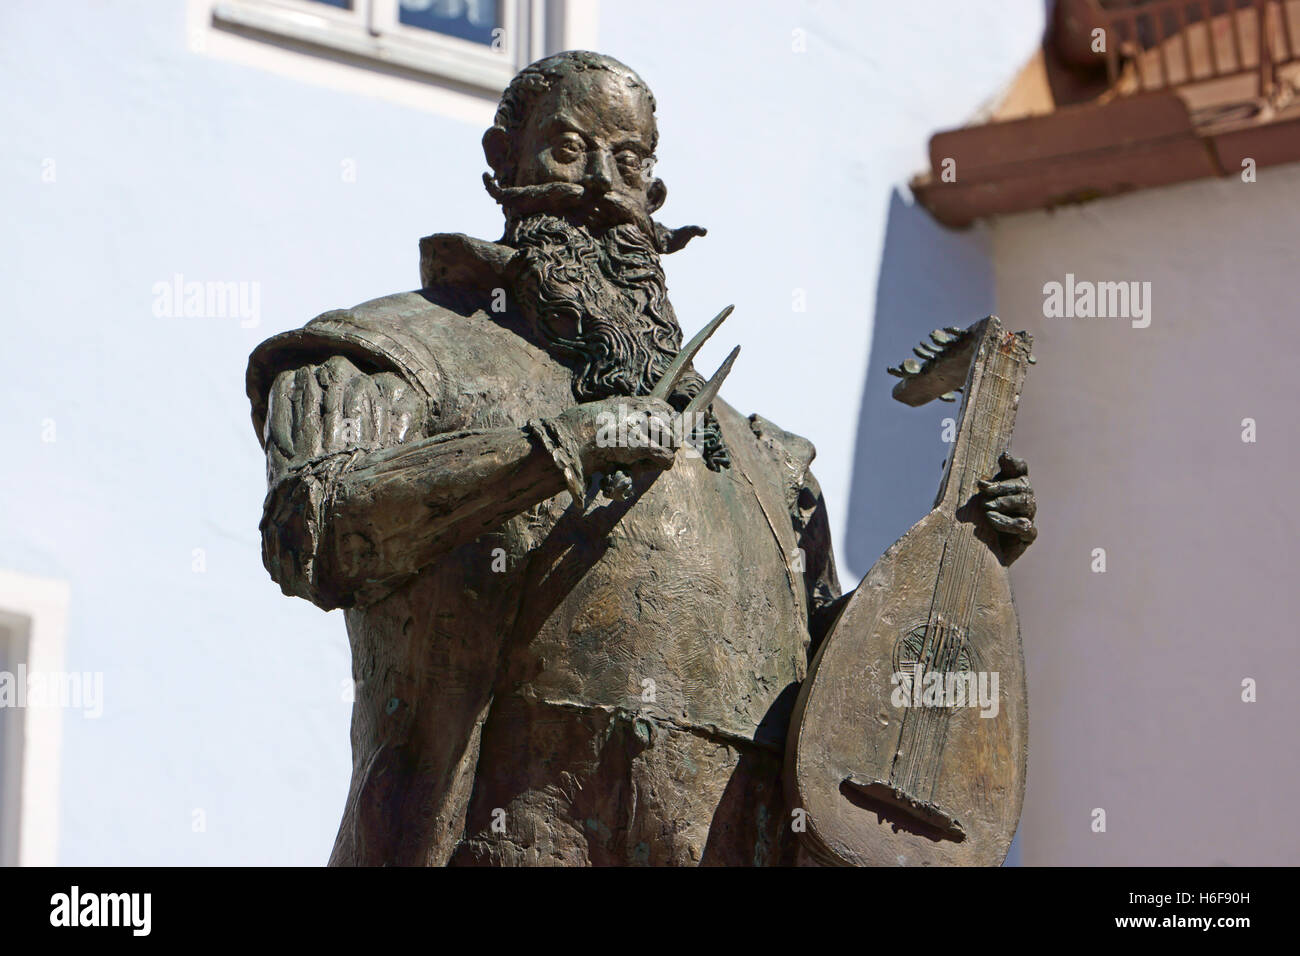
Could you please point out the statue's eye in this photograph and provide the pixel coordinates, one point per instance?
(629, 160)
(567, 150)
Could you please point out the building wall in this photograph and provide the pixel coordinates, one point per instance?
(133, 474)
(1134, 440)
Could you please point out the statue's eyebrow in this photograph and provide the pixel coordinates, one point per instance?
(635, 143)
(565, 123)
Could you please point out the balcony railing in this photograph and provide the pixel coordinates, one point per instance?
(1175, 42)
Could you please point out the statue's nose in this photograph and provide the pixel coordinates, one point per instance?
(600, 170)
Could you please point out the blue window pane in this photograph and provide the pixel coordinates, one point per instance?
(341, 4)
(472, 20)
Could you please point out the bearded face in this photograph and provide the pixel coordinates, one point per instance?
(598, 299)
(574, 181)
(601, 301)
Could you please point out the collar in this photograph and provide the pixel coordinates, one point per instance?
(455, 259)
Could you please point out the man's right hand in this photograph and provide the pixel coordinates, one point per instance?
(623, 430)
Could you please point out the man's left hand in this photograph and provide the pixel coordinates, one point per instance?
(1009, 504)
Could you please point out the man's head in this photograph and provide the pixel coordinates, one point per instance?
(572, 151)
(575, 136)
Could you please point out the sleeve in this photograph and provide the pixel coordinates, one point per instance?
(320, 418)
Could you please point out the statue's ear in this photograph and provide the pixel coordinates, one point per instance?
(496, 148)
(656, 195)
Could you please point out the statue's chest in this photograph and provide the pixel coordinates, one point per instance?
(684, 601)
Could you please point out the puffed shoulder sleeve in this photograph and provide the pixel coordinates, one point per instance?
(373, 337)
(320, 418)
(322, 396)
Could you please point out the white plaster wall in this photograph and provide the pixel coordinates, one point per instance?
(1134, 441)
(221, 696)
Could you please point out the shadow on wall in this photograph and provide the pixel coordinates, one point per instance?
(929, 277)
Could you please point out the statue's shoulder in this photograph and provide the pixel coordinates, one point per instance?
(457, 328)
(796, 449)
(793, 452)
(786, 457)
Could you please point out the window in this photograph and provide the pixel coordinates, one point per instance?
(478, 44)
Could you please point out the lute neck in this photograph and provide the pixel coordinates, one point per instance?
(988, 412)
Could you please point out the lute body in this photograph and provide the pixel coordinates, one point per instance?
(889, 757)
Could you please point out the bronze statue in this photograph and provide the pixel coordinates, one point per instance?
(567, 649)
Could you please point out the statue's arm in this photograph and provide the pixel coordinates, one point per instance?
(360, 499)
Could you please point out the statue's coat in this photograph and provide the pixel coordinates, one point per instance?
(617, 679)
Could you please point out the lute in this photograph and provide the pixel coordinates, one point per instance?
(888, 756)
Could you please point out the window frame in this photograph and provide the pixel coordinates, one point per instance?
(371, 34)
(33, 627)
(15, 636)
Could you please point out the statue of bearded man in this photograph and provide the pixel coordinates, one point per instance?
(544, 678)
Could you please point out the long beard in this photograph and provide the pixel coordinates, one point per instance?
(599, 300)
